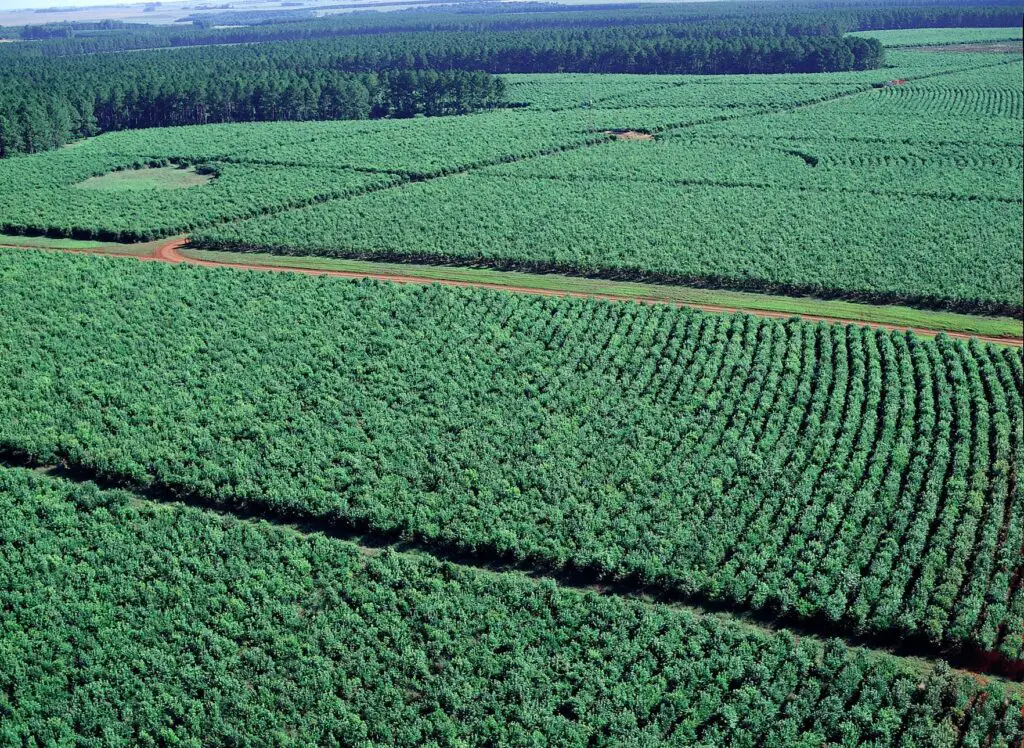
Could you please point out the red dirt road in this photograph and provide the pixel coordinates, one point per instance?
(168, 252)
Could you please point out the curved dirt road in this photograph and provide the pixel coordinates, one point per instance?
(168, 252)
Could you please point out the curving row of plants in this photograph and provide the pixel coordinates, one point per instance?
(860, 480)
(126, 621)
(827, 242)
(812, 163)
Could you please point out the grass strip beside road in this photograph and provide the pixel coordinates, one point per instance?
(798, 306)
(46, 242)
(78, 245)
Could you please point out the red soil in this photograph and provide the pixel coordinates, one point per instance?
(168, 252)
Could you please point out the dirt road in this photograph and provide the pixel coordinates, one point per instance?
(169, 252)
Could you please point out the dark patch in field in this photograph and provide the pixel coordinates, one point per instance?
(989, 47)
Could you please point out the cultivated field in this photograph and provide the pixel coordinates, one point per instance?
(291, 508)
(706, 455)
(822, 184)
(346, 623)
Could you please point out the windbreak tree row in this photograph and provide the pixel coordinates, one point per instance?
(861, 480)
(114, 609)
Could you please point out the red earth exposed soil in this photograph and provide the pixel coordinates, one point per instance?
(629, 134)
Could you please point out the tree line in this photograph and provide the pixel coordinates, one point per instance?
(61, 86)
(44, 107)
(722, 19)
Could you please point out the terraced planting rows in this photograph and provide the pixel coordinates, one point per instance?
(819, 164)
(399, 649)
(858, 479)
(966, 102)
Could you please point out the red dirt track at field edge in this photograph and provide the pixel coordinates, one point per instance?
(168, 252)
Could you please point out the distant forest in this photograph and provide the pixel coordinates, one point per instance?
(682, 20)
(46, 106)
(67, 81)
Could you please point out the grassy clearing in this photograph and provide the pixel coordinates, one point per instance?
(46, 242)
(887, 315)
(162, 178)
(78, 245)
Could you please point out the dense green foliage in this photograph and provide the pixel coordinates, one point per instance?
(814, 164)
(272, 165)
(46, 103)
(381, 65)
(837, 243)
(886, 207)
(872, 194)
(260, 168)
(884, 195)
(128, 623)
(64, 82)
(840, 475)
(49, 195)
(711, 20)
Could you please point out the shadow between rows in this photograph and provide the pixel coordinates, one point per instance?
(967, 657)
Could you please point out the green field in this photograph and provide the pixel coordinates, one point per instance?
(888, 201)
(398, 649)
(371, 379)
(158, 178)
(710, 456)
(936, 37)
(809, 184)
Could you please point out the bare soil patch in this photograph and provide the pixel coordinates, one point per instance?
(629, 134)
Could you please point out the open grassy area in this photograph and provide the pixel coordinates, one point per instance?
(871, 314)
(46, 242)
(77, 245)
(162, 178)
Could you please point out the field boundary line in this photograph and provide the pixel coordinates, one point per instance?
(969, 660)
(169, 253)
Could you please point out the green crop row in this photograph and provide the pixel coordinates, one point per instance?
(862, 478)
(834, 242)
(134, 624)
(892, 169)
